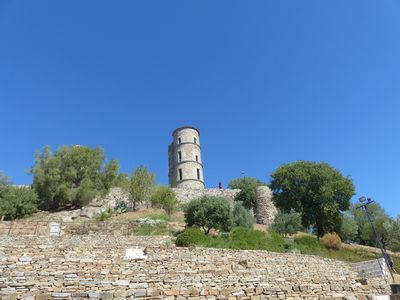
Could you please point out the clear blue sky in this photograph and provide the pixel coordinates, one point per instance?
(266, 82)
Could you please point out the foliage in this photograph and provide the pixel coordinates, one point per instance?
(149, 226)
(393, 228)
(209, 212)
(311, 245)
(165, 198)
(4, 182)
(241, 216)
(331, 241)
(246, 238)
(120, 207)
(191, 236)
(72, 176)
(104, 215)
(239, 238)
(308, 241)
(247, 194)
(348, 227)
(366, 234)
(17, 202)
(316, 190)
(287, 223)
(140, 186)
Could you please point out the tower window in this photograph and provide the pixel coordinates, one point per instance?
(198, 173)
(180, 174)
(197, 158)
(195, 140)
(179, 156)
(179, 140)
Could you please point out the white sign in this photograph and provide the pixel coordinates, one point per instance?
(54, 228)
(134, 253)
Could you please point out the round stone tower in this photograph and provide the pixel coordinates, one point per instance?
(184, 159)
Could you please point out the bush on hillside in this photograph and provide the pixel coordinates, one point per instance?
(209, 213)
(17, 202)
(308, 241)
(247, 238)
(104, 215)
(287, 223)
(139, 186)
(240, 238)
(242, 217)
(191, 237)
(165, 198)
(332, 241)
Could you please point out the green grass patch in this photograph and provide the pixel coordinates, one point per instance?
(249, 239)
(312, 246)
(239, 238)
(149, 229)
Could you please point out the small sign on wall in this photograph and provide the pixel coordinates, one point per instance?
(135, 253)
(54, 228)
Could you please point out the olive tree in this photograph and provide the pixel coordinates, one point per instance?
(209, 212)
(316, 190)
(72, 176)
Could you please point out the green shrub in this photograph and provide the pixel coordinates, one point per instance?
(165, 198)
(308, 241)
(149, 226)
(17, 202)
(245, 238)
(104, 215)
(239, 238)
(120, 207)
(287, 223)
(242, 217)
(191, 237)
(331, 241)
(209, 213)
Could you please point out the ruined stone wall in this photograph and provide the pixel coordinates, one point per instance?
(94, 266)
(185, 195)
(265, 210)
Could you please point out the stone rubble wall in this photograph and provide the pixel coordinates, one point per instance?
(93, 266)
(185, 195)
(265, 210)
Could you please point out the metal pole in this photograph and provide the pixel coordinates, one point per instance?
(364, 206)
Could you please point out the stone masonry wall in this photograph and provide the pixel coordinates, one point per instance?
(185, 195)
(94, 266)
(265, 210)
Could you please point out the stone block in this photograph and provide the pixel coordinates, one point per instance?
(43, 297)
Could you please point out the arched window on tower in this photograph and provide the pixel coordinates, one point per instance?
(180, 174)
(195, 140)
(198, 173)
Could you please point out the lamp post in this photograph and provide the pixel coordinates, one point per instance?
(364, 206)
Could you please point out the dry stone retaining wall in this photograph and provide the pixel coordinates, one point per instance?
(94, 266)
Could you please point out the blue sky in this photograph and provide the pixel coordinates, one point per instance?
(266, 82)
